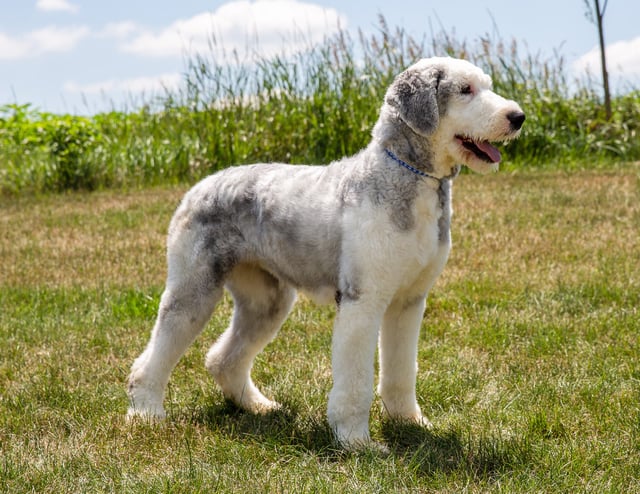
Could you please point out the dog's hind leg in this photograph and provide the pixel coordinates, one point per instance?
(261, 304)
(190, 296)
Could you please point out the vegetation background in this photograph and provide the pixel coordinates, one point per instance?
(312, 107)
(529, 354)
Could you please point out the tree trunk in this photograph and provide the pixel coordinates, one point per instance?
(603, 60)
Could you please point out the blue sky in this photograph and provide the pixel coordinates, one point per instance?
(80, 56)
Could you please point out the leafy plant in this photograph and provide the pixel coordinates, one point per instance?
(311, 107)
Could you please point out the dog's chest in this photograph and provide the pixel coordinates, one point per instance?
(426, 247)
(432, 212)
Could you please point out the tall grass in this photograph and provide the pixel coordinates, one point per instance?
(309, 107)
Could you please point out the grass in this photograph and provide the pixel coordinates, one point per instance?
(529, 356)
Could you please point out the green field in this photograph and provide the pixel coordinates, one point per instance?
(529, 355)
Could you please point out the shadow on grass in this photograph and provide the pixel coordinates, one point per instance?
(434, 451)
(281, 427)
(427, 452)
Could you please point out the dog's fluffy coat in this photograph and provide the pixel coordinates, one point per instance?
(365, 231)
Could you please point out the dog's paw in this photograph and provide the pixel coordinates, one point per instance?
(368, 446)
(145, 403)
(261, 406)
(417, 419)
(148, 414)
(410, 415)
(354, 438)
(361, 444)
(423, 421)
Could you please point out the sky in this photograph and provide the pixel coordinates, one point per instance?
(80, 56)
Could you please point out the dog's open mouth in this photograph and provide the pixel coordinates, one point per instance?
(482, 149)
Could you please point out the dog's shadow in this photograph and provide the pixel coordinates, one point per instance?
(284, 426)
(444, 451)
(427, 451)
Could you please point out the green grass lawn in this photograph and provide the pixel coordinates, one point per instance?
(529, 355)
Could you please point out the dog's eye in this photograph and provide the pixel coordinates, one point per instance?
(466, 89)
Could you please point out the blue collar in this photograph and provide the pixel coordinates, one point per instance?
(454, 173)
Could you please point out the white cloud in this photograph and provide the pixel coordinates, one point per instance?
(56, 6)
(119, 30)
(132, 86)
(11, 48)
(49, 39)
(267, 26)
(623, 63)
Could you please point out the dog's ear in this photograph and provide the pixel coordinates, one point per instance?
(413, 95)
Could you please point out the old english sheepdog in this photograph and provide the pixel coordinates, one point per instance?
(369, 233)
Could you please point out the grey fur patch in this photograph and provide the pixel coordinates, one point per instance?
(415, 99)
(268, 214)
(396, 191)
(221, 239)
(402, 210)
(445, 89)
(413, 148)
(444, 201)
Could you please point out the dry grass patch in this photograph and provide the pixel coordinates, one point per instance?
(545, 229)
(87, 240)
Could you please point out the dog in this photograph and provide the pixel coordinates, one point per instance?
(370, 232)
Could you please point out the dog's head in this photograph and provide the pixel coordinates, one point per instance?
(450, 103)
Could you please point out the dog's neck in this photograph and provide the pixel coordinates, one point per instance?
(452, 175)
(410, 150)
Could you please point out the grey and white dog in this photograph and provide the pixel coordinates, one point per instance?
(370, 232)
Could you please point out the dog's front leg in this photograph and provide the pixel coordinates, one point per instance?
(398, 359)
(354, 344)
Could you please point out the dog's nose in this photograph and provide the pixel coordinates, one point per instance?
(516, 118)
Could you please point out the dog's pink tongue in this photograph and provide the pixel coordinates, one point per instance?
(492, 152)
